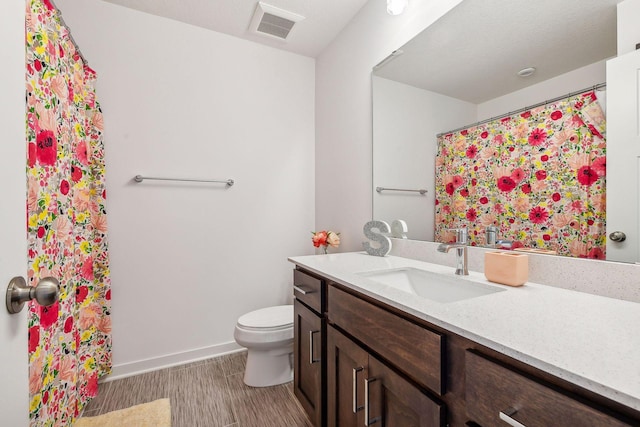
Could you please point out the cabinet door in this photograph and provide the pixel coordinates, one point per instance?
(391, 401)
(346, 371)
(308, 360)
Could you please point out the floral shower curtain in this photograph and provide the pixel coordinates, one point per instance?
(69, 342)
(538, 176)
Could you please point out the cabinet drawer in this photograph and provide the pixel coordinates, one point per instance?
(309, 290)
(416, 350)
(492, 388)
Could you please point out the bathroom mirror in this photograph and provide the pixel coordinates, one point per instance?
(463, 69)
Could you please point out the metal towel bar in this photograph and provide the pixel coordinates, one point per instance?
(140, 178)
(381, 189)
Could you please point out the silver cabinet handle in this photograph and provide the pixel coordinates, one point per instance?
(506, 417)
(311, 359)
(356, 408)
(45, 293)
(368, 421)
(301, 290)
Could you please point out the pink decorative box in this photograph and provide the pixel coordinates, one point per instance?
(506, 268)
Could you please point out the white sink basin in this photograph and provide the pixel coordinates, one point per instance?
(433, 286)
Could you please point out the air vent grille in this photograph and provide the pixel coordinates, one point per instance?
(273, 22)
(275, 26)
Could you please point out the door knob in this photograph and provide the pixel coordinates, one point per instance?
(45, 293)
(618, 236)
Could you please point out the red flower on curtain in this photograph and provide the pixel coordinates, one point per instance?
(537, 137)
(596, 253)
(517, 175)
(68, 325)
(64, 187)
(594, 131)
(449, 189)
(81, 153)
(600, 166)
(32, 150)
(538, 215)
(472, 215)
(506, 184)
(34, 338)
(76, 174)
(586, 175)
(49, 315)
(81, 293)
(472, 151)
(87, 269)
(46, 148)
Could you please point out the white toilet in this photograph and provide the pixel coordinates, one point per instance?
(268, 335)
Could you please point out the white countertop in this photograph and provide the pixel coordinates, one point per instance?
(588, 340)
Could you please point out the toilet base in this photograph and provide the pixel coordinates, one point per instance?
(268, 367)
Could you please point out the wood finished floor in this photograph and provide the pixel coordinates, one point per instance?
(209, 393)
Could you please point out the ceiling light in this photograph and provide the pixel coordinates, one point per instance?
(526, 72)
(396, 7)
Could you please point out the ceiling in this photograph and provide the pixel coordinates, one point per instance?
(474, 52)
(324, 19)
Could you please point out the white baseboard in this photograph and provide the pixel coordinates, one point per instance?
(153, 364)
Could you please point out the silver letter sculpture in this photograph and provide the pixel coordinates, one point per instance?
(373, 231)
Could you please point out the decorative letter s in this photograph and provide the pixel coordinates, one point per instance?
(383, 241)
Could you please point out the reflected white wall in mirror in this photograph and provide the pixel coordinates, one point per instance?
(405, 118)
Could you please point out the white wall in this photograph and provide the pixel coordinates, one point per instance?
(343, 112)
(406, 121)
(628, 28)
(181, 101)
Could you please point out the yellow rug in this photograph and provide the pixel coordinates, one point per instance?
(152, 414)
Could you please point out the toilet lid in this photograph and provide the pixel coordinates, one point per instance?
(280, 316)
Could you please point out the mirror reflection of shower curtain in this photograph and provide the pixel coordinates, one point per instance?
(69, 342)
(539, 176)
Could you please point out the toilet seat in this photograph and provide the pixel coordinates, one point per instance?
(268, 319)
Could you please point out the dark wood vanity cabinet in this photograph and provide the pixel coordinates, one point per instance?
(362, 390)
(383, 366)
(309, 344)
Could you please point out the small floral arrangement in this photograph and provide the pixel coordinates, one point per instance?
(325, 239)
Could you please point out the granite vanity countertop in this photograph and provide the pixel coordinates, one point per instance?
(588, 340)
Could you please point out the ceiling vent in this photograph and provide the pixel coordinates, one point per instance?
(273, 22)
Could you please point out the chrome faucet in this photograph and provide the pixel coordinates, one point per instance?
(491, 236)
(460, 246)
